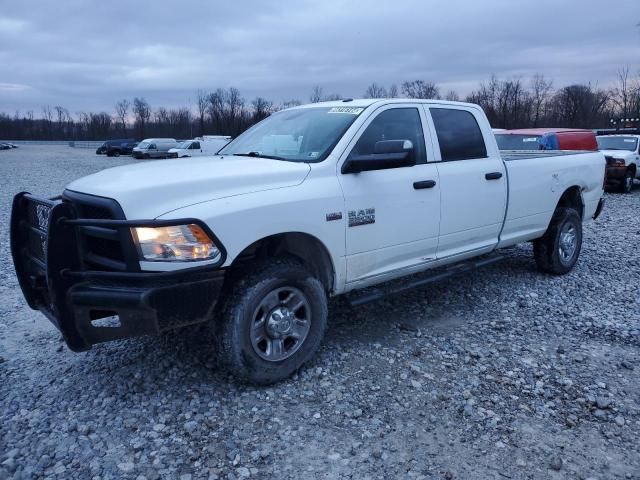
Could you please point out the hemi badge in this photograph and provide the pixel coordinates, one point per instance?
(334, 216)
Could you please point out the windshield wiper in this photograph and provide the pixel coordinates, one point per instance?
(257, 155)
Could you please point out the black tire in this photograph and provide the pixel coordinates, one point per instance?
(244, 305)
(116, 153)
(549, 255)
(626, 186)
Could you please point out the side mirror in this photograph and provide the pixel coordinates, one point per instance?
(386, 154)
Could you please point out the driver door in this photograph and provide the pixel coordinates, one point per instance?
(393, 214)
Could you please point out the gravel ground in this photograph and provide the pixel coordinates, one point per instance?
(504, 373)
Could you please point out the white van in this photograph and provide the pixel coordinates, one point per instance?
(205, 145)
(154, 148)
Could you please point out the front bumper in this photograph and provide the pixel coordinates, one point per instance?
(90, 305)
(615, 174)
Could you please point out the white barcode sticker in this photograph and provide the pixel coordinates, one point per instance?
(350, 110)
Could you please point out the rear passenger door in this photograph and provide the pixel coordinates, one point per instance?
(473, 183)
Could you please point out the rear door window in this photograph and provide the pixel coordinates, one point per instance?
(459, 134)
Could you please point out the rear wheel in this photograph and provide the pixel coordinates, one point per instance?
(557, 251)
(116, 153)
(272, 322)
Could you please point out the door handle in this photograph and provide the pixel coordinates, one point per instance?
(493, 175)
(424, 184)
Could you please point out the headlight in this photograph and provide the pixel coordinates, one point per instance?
(175, 243)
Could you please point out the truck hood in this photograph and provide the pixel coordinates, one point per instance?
(617, 153)
(148, 190)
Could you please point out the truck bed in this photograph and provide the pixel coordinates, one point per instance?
(536, 183)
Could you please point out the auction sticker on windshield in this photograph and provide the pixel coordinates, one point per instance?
(351, 110)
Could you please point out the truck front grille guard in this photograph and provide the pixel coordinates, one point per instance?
(49, 249)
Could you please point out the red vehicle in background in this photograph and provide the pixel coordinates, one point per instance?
(547, 139)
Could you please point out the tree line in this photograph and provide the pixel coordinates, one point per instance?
(508, 103)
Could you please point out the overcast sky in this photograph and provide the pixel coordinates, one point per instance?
(85, 55)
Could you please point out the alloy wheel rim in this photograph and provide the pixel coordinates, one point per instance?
(568, 243)
(280, 324)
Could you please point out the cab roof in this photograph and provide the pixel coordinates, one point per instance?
(367, 102)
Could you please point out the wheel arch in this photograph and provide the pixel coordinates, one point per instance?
(305, 247)
(572, 198)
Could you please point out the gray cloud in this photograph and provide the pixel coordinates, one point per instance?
(86, 55)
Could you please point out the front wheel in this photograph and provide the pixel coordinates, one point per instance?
(272, 322)
(627, 183)
(557, 251)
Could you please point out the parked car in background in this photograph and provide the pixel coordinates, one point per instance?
(547, 139)
(124, 148)
(312, 202)
(623, 157)
(5, 146)
(102, 149)
(199, 146)
(154, 148)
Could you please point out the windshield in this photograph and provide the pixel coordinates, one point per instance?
(184, 145)
(143, 145)
(617, 143)
(519, 142)
(299, 135)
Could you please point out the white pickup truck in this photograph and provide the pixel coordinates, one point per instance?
(622, 153)
(257, 238)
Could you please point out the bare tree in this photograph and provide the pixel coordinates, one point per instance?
(452, 96)
(375, 91)
(122, 108)
(541, 90)
(622, 93)
(393, 91)
(580, 106)
(316, 94)
(420, 89)
(262, 108)
(61, 113)
(47, 117)
(215, 109)
(202, 103)
(142, 111)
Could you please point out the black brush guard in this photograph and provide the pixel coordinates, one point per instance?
(50, 262)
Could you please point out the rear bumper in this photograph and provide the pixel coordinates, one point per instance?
(90, 306)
